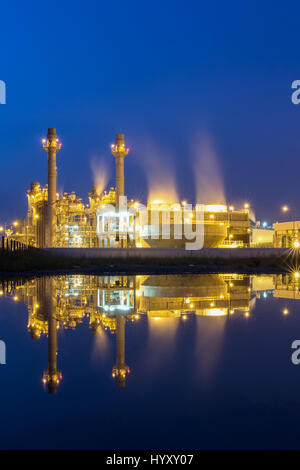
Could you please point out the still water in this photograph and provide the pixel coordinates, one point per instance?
(153, 362)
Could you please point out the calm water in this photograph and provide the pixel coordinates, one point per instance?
(191, 361)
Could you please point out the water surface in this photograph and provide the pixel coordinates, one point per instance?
(177, 361)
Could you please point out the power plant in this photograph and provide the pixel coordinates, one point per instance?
(111, 220)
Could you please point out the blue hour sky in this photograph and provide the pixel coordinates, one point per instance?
(164, 73)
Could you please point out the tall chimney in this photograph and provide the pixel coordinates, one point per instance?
(51, 145)
(119, 151)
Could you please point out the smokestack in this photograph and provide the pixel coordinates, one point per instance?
(51, 145)
(119, 151)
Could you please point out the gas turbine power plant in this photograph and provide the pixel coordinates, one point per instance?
(66, 221)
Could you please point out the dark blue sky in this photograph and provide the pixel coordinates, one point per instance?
(159, 71)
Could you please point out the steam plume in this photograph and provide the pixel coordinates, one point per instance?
(208, 178)
(101, 173)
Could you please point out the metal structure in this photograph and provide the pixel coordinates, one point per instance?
(51, 145)
(119, 151)
(55, 220)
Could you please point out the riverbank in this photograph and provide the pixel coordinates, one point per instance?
(35, 262)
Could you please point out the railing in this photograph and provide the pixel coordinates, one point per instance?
(9, 244)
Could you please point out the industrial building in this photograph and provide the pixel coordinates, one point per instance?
(262, 236)
(287, 234)
(55, 220)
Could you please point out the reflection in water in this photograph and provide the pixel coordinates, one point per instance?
(287, 286)
(51, 376)
(109, 302)
(101, 345)
(120, 369)
(208, 345)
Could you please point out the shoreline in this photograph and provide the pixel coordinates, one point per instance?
(43, 263)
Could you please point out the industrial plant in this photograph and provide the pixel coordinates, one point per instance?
(55, 220)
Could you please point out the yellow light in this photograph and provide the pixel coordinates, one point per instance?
(215, 208)
(192, 305)
(157, 201)
(183, 203)
(231, 312)
(296, 244)
(15, 223)
(215, 312)
(284, 208)
(246, 205)
(231, 208)
(231, 284)
(184, 317)
(296, 274)
(187, 301)
(230, 236)
(285, 311)
(212, 304)
(1, 229)
(247, 314)
(212, 216)
(16, 298)
(36, 216)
